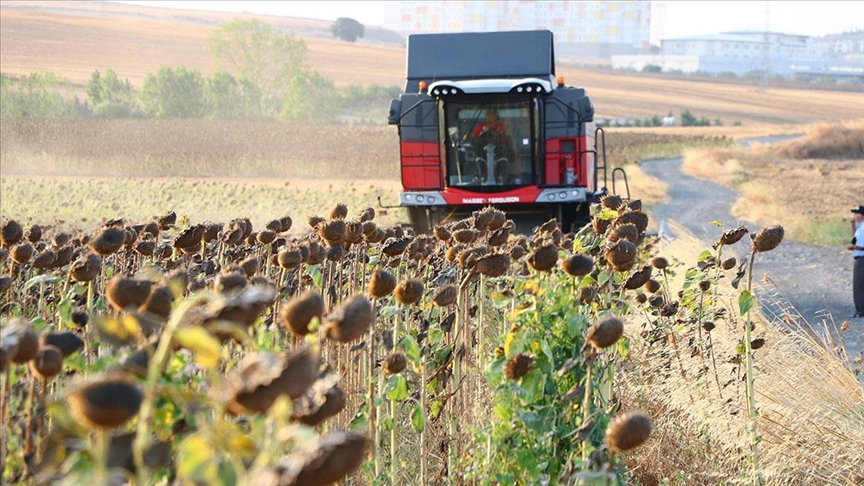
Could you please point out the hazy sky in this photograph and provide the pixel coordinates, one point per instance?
(682, 18)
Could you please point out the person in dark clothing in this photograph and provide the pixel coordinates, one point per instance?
(857, 248)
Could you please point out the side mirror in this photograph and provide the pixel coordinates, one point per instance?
(395, 111)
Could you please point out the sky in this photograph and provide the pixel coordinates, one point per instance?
(682, 18)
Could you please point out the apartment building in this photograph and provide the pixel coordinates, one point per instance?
(581, 29)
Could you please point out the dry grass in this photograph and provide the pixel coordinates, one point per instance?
(779, 183)
(827, 141)
(811, 405)
(197, 148)
(74, 38)
(81, 204)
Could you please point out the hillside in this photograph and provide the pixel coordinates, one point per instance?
(74, 38)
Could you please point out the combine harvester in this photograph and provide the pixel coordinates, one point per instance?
(539, 160)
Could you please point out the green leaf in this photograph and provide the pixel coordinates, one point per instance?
(719, 224)
(512, 342)
(418, 419)
(396, 388)
(205, 348)
(623, 347)
(502, 411)
(500, 300)
(389, 310)
(196, 459)
(705, 255)
(315, 273)
(41, 279)
(745, 302)
(412, 351)
(359, 421)
(607, 214)
(602, 278)
(435, 335)
(118, 331)
(547, 350)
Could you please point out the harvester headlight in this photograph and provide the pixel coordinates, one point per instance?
(420, 198)
(519, 89)
(562, 195)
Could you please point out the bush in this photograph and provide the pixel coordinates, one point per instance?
(311, 97)
(652, 68)
(36, 95)
(174, 93)
(229, 98)
(112, 109)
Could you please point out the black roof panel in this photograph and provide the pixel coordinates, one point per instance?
(472, 55)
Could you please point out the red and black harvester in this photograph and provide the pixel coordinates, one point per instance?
(545, 163)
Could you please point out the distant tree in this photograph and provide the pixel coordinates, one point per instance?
(652, 68)
(111, 97)
(173, 93)
(35, 95)
(687, 119)
(347, 29)
(109, 87)
(311, 97)
(262, 55)
(230, 98)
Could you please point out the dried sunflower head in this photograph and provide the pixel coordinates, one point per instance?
(627, 431)
(605, 332)
(105, 402)
(767, 239)
(518, 366)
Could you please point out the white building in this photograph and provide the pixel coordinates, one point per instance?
(581, 29)
(742, 52)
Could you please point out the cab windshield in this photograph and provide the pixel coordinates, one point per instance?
(489, 144)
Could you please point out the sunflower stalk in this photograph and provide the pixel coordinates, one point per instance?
(154, 372)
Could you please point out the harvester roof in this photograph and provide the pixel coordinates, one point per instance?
(479, 55)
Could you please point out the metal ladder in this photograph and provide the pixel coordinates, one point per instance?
(601, 164)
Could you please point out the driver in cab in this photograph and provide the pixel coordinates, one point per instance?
(491, 127)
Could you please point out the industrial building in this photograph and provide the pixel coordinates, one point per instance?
(581, 29)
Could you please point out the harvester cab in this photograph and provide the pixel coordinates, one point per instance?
(484, 122)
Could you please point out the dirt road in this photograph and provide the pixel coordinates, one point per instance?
(812, 282)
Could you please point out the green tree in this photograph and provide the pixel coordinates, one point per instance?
(109, 87)
(35, 95)
(111, 97)
(311, 97)
(262, 55)
(687, 119)
(174, 93)
(230, 98)
(347, 29)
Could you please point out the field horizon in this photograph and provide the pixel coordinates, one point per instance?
(72, 39)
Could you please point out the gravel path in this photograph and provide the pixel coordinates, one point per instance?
(811, 280)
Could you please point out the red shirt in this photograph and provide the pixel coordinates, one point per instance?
(498, 126)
